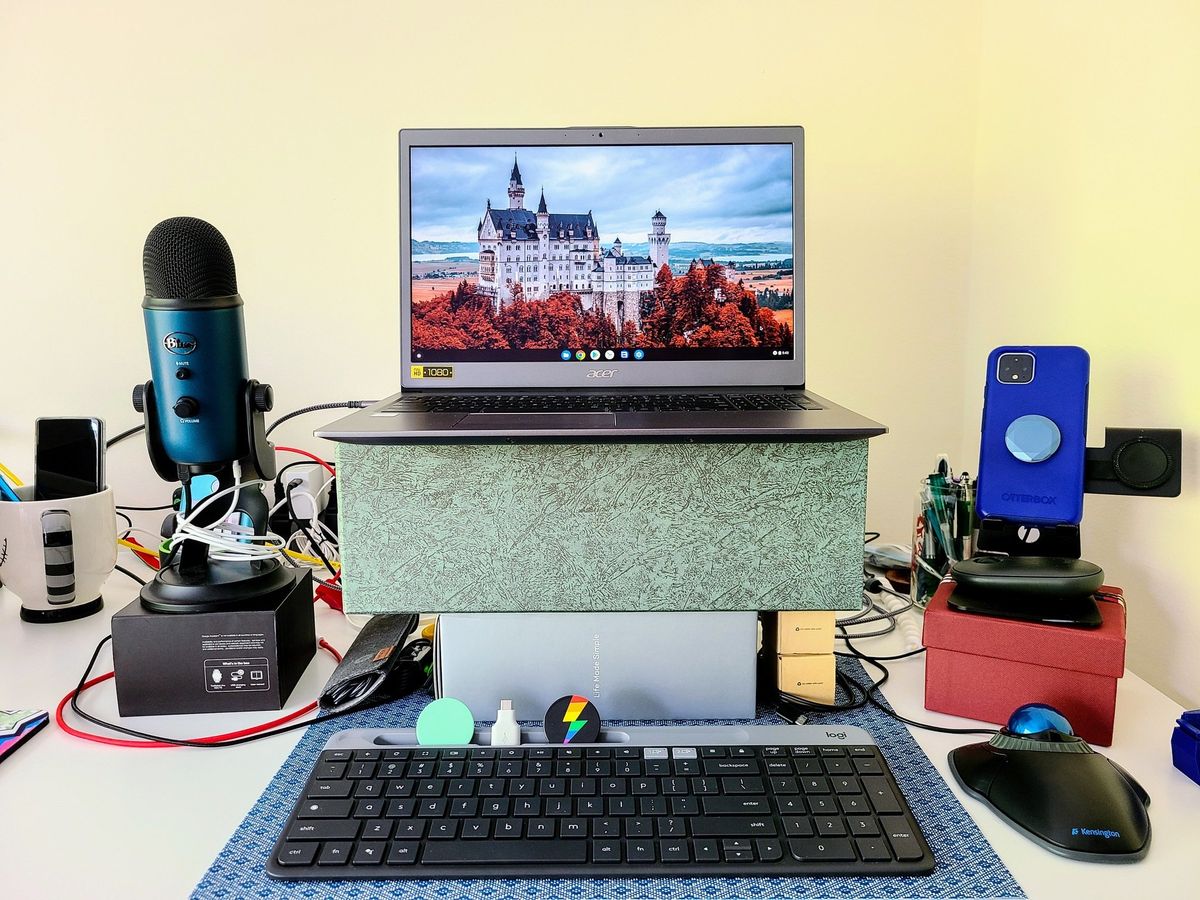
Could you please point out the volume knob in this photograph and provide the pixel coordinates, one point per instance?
(187, 407)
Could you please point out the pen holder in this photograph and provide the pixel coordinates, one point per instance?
(56, 554)
(944, 530)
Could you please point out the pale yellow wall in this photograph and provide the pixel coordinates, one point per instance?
(277, 122)
(1086, 227)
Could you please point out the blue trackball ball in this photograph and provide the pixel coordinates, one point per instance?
(1035, 718)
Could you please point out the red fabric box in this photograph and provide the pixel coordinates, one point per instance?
(983, 667)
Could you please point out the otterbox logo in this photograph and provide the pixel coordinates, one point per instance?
(431, 371)
(1029, 498)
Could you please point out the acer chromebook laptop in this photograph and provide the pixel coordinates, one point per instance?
(602, 284)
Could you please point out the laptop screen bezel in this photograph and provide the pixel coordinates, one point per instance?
(625, 374)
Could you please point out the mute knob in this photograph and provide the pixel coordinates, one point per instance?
(139, 397)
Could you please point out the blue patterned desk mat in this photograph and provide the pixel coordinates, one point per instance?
(967, 866)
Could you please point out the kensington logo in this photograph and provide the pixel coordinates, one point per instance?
(1029, 498)
(1105, 833)
(602, 373)
(181, 343)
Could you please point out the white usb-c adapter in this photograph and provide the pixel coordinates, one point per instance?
(506, 732)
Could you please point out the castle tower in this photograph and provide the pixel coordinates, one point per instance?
(616, 248)
(516, 191)
(543, 233)
(660, 241)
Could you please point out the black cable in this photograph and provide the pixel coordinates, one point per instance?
(146, 508)
(874, 701)
(181, 742)
(129, 432)
(313, 542)
(126, 518)
(916, 652)
(125, 571)
(346, 404)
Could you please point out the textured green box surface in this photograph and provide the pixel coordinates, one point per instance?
(568, 527)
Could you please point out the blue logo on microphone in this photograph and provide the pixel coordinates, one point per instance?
(181, 343)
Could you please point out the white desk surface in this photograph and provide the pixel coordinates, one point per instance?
(80, 819)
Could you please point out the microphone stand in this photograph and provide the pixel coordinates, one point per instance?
(190, 580)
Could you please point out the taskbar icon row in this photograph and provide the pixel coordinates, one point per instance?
(594, 355)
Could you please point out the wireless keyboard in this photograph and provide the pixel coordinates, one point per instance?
(663, 801)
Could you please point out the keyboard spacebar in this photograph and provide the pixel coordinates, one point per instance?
(501, 852)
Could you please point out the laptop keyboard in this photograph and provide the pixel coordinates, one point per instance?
(630, 810)
(541, 403)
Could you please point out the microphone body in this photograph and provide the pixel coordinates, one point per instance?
(199, 370)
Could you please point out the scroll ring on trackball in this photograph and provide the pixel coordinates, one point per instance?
(1032, 439)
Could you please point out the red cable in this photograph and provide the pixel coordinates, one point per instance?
(161, 745)
(146, 555)
(330, 469)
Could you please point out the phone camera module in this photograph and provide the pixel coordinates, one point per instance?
(1015, 368)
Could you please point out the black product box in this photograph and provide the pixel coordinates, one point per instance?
(234, 660)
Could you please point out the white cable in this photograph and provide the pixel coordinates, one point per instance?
(155, 539)
(321, 490)
(229, 541)
(907, 621)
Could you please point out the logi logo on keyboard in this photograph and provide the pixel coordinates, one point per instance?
(836, 735)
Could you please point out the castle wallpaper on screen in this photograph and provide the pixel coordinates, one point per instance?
(553, 248)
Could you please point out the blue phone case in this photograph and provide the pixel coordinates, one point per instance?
(1031, 455)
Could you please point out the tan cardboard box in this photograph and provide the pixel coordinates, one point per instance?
(811, 676)
(809, 631)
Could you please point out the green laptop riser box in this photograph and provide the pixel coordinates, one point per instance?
(611, 527)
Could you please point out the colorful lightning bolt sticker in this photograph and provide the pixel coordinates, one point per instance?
(571, 717)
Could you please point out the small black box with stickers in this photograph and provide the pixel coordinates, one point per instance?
(234, 660)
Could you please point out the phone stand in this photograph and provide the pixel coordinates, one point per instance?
(195, 582)
(1056, 590)
(1133, 461)
(1071, 612)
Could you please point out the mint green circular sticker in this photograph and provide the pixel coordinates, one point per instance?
(445, 721)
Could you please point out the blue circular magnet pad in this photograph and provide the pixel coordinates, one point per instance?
(445, 721)
(1032, 439)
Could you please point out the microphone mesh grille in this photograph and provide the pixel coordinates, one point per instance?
(187, 259)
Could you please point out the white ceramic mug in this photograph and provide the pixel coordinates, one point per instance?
(56, 554)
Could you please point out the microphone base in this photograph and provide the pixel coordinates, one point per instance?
(222, 585)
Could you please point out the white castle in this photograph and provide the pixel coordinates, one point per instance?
(546, 252)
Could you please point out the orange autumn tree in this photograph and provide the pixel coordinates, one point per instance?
(702, 308)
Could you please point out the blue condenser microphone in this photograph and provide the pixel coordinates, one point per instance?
(200, 396)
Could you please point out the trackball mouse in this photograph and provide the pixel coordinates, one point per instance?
(1053, 787)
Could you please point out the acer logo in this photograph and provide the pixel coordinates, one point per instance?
(601, 373)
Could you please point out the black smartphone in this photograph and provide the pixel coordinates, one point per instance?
(69, 457)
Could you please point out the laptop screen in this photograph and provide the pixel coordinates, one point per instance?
(663, 261)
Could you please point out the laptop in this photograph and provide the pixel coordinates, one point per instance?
(575, 284)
